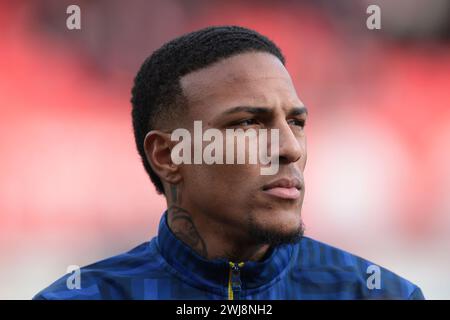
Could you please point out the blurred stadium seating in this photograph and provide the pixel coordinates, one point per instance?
(72, 188)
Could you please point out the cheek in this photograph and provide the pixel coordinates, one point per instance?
(223, 180)
(303, 161)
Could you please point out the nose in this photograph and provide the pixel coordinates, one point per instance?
(291, 148)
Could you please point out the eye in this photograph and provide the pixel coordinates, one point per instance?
(245, 122)
(297, 122)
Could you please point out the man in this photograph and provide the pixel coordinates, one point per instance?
(229, 232)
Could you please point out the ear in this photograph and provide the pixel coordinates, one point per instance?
(158, 146)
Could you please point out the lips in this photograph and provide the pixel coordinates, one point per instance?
(285, 188)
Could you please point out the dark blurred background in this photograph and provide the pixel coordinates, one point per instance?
(73, 190)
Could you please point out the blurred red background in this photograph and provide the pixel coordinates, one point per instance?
(73, 190)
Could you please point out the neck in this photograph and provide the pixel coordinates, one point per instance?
(210, 239)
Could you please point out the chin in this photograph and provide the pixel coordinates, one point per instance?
(280, 218)
(276, 229)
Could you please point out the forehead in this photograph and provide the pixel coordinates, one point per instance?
(250, 79)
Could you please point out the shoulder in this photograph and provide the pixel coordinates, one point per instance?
(326, 266)
(116, 277)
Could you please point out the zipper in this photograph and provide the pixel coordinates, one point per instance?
(234, 281)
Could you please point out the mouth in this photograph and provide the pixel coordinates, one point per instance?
(285, 188)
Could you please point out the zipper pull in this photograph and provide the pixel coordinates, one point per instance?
(234, 283)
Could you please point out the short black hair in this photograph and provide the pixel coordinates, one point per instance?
(157, 95)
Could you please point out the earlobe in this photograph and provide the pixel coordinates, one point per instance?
(157, 146)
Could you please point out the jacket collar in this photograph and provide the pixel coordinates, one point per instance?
(215, 273)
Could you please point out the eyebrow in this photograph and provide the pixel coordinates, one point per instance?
(295, 111)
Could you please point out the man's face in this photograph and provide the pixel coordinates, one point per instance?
(237, 196)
